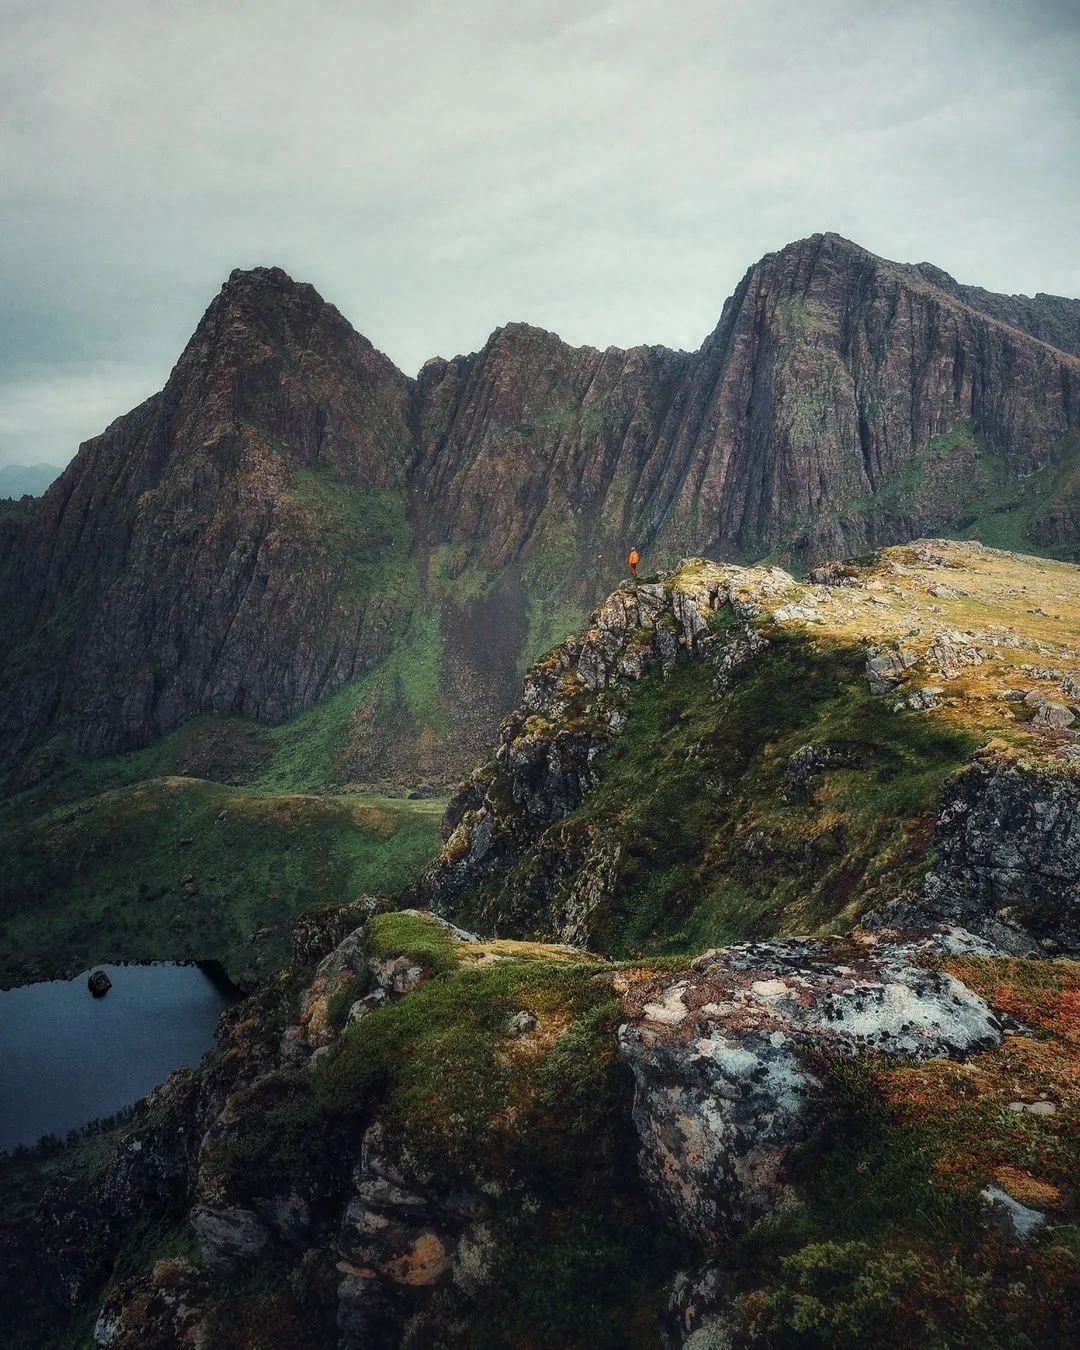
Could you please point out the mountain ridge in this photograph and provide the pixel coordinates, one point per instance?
(763, 1030)
(292, 514)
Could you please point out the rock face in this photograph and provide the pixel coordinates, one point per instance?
(724, 1086)
(573, 705)
(291, 513)
(1007, 856)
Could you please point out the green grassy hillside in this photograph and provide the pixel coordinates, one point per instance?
(175, 868)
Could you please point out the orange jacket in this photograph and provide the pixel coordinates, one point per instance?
(633, 559)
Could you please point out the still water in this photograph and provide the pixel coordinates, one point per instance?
(67, 1058)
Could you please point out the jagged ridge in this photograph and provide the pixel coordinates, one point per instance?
(726, 753)
(292, 513)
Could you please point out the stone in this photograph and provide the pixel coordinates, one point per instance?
(1016, 1221)
(99, 984)
(228, 1235)
(885, 666)
(797, 612)
(1052, 715)
(522, 1023)
(722, 1090)
(1040, 1108)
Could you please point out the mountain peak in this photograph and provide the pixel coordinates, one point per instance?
(266, 288)
(276, 276)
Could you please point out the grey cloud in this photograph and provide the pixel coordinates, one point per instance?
(607, 170)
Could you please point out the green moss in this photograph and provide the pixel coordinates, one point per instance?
(426, 942)
(800, 322)
(544, 1115)
(27, 1172)
(365, 532)
(884, 1251)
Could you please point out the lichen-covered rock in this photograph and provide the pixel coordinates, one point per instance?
(398, 1242)
(228, 1235)
(1017, 1221)
(721, 1055)
(162, 1308)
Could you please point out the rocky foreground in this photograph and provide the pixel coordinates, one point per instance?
(550, 1115)
(441, 1140)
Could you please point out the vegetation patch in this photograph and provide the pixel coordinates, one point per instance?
(716, 841)
(886, 1249)
(181, 868)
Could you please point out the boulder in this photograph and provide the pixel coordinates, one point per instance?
(99, 984)
(724, 1084)
(1016, 1222)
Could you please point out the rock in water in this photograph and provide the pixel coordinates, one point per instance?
(99, 984)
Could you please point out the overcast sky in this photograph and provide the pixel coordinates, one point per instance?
(606, 170)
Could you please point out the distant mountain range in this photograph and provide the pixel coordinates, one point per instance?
(293, 517)
(31, 480)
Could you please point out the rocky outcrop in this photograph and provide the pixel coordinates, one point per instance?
(1007, 856)
(534, 845)
(291, 512)
(722, 1056)
(573, 705)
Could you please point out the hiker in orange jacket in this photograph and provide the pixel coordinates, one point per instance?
(633, 561)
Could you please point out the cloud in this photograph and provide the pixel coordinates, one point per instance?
(607, 170)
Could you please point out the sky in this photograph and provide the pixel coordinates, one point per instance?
(607, 170)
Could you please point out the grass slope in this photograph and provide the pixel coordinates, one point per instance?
(713, 844)
(177, 867)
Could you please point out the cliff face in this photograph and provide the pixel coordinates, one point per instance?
(291, 514)
(1053, 319)
(229, 545)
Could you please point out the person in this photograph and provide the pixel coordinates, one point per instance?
(633, 561)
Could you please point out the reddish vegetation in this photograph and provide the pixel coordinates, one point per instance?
(1010, 1115)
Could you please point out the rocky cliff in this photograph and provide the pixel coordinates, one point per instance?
(292, 516)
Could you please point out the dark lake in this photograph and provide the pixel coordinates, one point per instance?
(67, 1058)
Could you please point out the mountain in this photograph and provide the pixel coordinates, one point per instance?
(30, 480)
(763, 1031)
(292, 517)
